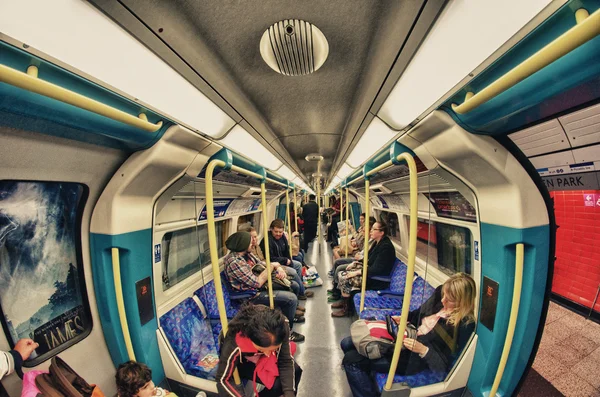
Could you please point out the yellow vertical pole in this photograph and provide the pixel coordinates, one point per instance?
(296, 210)
(319, 198)
(288, 220)
(212, 243)
(347, 223)
(341, 212)
(410, 271)
(263, 196)
(366, 250)
(121, 302)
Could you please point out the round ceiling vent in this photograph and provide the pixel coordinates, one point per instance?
(294, 47)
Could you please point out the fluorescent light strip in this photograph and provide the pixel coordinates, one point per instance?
(376, 135)
(79, 35)
(242, 142)
(466, 34)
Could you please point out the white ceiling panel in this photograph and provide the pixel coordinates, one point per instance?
(583, 127)
(543, 138)
(587, 154)
(553, 160)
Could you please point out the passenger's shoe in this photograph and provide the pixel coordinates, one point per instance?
(330, 274)
(296, 337)
(339, 313)
(309, 294)
(301, 308)
(333, 291)
(339, 305)
(299, 319)
(301, 297)
(333, 298)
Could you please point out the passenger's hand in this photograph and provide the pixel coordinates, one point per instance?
(414, 346)
(25, 347)
(281, 274)
(275, 265)
(396, 319)
(289, 262)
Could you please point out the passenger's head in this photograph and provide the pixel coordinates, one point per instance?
(134, 380)
(458, 297)
(378, 231)
(265, 327)
(277, 227)
(312, 197)
(253, 236)
(239, 242)
(362, 218)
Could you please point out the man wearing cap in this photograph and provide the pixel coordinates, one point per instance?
(238, 270)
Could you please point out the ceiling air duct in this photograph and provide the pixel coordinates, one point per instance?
(294, 47)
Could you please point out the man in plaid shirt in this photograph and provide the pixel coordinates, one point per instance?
(238, 270)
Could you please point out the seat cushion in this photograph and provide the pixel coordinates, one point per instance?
(191, 338)
(420, 293)
(423, 378)
(208, 296)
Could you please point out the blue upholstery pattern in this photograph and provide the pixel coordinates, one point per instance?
(216, 330)
(378, 314)
(207, 295)
(421, 292)
(423, 378)
(398, 281)
(190, 337)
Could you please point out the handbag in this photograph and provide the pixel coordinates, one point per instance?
(279, 284)
(63, 381)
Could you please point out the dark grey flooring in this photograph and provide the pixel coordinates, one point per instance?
(320, 355)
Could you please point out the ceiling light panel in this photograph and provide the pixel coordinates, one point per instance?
(84, 38)
(286, 173)
(451, 51)
(376, 135)
(344, 171)
(243, 143)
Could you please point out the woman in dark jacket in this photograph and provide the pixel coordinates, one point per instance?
(444, 323)
(257, 345)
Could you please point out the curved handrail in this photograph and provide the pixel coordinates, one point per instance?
(587, 27)
(116, 265)
(410, 271)
(30, 82)
(514, 313)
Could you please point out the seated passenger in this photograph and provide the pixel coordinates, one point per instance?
(296, 283)
(257, 345)
(279, 251)
(382, 256)
(238, 270)
(135, 380)
(444, 324)
(357, 244)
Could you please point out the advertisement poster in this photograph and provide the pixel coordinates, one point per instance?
(452, 205)
(39, 281)
(240, 206)
(221, 206)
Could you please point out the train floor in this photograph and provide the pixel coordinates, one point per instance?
(568, 359)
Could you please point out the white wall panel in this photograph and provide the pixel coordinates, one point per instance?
(543, 138)
(583, 127)
(587, 154)
(553, 160)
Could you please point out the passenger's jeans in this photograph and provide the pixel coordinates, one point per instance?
(295, 270)
(357, 370)
(310, 232)
(285, 301)
(299, 257)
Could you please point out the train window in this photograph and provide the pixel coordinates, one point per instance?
(391, 220)
(249, 220)
(186, 252)
(446, 247)
(42, 286)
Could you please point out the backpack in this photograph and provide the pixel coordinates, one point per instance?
(376, 339)
(62, 381)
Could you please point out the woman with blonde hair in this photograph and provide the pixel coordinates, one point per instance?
(444, 324)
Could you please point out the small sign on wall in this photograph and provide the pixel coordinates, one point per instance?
(157, 253)
(591, 200)
(476, 249)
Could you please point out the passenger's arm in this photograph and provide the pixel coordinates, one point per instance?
(384, 262)
(228, 361)
(287, 372)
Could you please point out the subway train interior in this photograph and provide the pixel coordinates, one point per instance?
(137, 136)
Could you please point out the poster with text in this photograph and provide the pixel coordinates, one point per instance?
(452, 205)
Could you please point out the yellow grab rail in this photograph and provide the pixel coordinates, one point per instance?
(347, 225)
(587, 27)
(289, 221)
(267, 253)
(116, 265)
(366, 249)
(410, 271)
(30, 82)
(296, 212)
(514, 313)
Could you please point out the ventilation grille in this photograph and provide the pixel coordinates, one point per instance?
(294, 47)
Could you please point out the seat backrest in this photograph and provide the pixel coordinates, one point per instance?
(398, 278)
(422, 291)
(208, 296)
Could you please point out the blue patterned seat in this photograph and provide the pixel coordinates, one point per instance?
(378, 314)
(208, 296)
(420, 293)
(423, 378)
(216, 330)
(190, 337)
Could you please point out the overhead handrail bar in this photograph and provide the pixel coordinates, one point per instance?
(514, 314)
(29, 81)
(587, 28)
(410, 271)
(116, 265)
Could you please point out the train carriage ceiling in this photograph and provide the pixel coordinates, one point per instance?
(370, 44)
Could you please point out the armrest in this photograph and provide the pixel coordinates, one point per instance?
(387, 279)
(389, 293)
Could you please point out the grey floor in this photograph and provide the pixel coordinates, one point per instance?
(320, 355)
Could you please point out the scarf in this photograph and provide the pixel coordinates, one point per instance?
(266, 366)
(429, 322)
